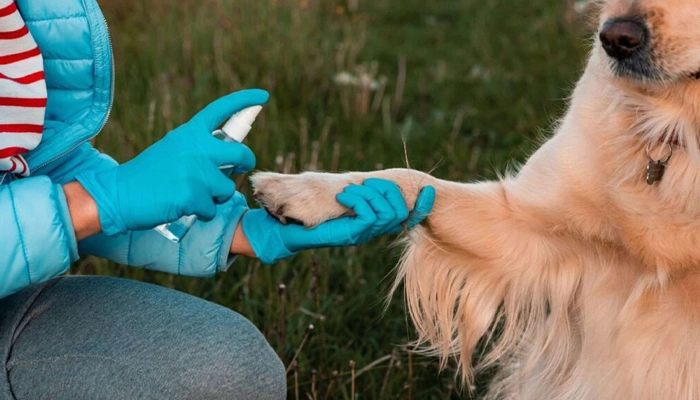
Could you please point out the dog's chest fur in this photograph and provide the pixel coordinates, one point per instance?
(659, 224)
(643, 270)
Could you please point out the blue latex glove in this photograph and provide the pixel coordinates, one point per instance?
(178, 175)
(379, 207)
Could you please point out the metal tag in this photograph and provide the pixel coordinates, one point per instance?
(655, 171)
(656, 168)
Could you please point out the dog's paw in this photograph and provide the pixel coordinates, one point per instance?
(307, 199)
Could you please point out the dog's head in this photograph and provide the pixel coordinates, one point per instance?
(650, 40)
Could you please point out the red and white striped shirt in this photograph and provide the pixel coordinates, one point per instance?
(22, 91)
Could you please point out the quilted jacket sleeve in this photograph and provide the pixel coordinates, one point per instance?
(37, 241)
(203, 252)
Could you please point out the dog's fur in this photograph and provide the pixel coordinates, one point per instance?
(582, 276)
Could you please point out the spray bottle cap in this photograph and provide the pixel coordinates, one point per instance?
(238, 126)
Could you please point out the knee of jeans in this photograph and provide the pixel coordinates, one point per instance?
(254, 370)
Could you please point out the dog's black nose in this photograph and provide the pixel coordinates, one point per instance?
(622, 38)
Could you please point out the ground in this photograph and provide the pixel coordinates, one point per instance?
(469, 86)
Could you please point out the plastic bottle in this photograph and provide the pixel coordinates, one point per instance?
(234, 130)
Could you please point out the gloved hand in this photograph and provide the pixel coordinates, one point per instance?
(379, 207)
(178, 175)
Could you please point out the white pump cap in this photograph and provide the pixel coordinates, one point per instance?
(238, 126)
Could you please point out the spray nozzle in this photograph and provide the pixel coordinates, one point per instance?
(238, 126)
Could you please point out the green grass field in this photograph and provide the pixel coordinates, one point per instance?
(469, 86)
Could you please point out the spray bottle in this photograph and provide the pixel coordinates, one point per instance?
(235, 130)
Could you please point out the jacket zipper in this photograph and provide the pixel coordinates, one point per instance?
(109, 110)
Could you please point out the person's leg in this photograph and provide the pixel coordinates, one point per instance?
(106, 338)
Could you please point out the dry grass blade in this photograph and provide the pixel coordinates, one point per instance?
(352, 379)
(368, 367)
(394, 355)
(281, 328)
(400, 86)
(296, 379)
(301, 346)
(312, 314)
(303, 142)
(314, 394)
(410, 375)
(334, 376)
(335, 163)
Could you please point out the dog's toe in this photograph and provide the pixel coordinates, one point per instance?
(294, 221)
(272, 214)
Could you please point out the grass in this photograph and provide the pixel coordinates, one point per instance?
(466, 84)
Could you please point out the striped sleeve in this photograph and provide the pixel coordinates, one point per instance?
(22, 91)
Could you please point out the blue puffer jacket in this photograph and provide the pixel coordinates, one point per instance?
(37, 241)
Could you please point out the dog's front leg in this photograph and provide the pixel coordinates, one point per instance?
(488, 219)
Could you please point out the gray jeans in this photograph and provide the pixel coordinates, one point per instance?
(105, 338)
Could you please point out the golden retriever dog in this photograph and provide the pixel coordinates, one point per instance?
(581, 270)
